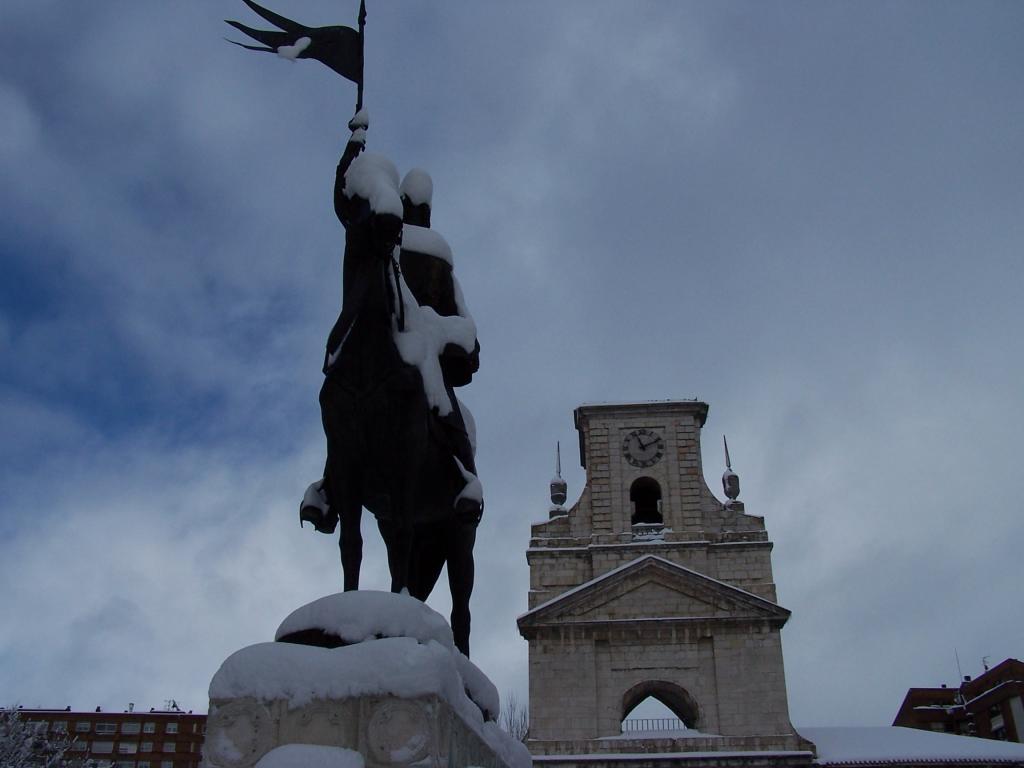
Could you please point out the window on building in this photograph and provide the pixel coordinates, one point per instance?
(128, 747)
(59, 726)
(103, 747)
(106, 727)
(149, 728)
(83, 727)
(124, 764)
(142, 764)
(645, 495)
(166, 764)
(651, 715)
(171, 728)
(146, 746)
(658, 706)
(130, 727)
(78, 746)
(169, 746)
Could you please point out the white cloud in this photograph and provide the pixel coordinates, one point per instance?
(773, 213)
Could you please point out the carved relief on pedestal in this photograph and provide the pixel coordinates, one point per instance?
(240, 732)
(398, 732)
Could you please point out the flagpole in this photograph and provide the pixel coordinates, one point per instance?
(362, 49)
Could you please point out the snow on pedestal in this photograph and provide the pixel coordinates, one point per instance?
(390, 686)
(357, 616)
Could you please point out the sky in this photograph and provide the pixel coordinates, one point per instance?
(808, 215)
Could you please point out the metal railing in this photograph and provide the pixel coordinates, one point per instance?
(643, 531)
(636, 724)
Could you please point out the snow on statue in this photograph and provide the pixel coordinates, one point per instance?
(398, 440)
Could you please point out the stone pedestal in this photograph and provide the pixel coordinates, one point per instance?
(396, 700)
(386, 730)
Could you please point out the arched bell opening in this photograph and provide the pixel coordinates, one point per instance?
(645, 498)
(657, 705)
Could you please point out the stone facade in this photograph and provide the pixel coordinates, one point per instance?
(651, 586)
(387, 731)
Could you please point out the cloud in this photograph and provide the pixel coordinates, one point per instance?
(808, 220)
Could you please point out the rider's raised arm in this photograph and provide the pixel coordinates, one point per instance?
(343, 206)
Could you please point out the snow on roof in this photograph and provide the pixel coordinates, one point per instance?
(620, 403)
(423, 240)
(368, 614)
(311, 756)
(417, 186)
(374, 178)
(892, 744)
(632, 563)
(995, 687)
(605, 757)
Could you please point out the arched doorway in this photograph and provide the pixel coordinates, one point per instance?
(682, 708)
(645, 497)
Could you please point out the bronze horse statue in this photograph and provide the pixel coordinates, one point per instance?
(394, 444)
(388, 448)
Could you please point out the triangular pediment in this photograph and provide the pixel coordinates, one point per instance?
(651, 588)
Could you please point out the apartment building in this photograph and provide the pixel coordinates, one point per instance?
(131, 739)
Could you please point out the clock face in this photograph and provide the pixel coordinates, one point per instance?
(643, 448)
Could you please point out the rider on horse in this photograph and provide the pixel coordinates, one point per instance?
(373, 229)
(426, 263)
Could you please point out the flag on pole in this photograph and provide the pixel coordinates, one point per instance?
(340, 48)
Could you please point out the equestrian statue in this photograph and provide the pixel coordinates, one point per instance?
(399, 442)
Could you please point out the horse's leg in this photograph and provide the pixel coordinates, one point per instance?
(398, 539)
(460, 579)
(427, 560)
(350, 542)
(408, 414)
(341, 479)
(349, 509)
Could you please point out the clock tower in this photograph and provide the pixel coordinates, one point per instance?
(651, 586)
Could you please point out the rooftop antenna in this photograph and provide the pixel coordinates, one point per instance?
(984, 662)
(730, 481)
(559, 487)
(959, 678)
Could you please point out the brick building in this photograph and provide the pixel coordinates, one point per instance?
(131, 739)
(990, 706)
